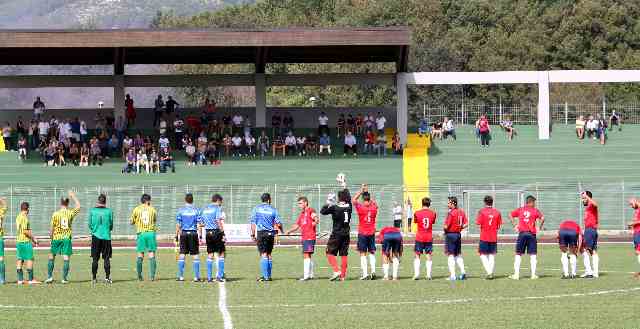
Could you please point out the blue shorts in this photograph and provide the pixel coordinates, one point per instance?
(590, 239)
(636, 242)
(526, 243)
(308, 246)
(392, 243)
(453, 244)
(568, 238)
(423, 247)
(487, 248)
(367, 243)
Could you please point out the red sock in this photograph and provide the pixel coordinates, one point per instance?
(333, 262)
(343, 272)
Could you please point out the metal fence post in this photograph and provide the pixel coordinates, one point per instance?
(623, 206)
(231, 203)
(566, 113)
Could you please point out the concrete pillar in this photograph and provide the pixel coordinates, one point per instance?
(543, 105)
(261, 100)
(402, 110)
(118, 96)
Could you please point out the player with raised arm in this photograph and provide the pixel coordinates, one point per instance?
(635, 226)
(101, 224)
(212, 219)
(24, 245)
(590, 236)
(528, 217)
(338, 243)
(144, 218)
(61, 221)
(489, 220)
(3, 211)
(455, 222)
(569, 240)
(424, 220)
(306, 223)
(265, 224)
(187, 220)
(391, 240)
(367, 214)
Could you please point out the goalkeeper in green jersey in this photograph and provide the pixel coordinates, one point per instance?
(101, 225)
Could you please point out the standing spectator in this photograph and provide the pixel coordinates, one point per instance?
(237, 145)
(178, 126)
(351, 124)
(158, 108)
(130, 112)
(449, 128)
(33, 133)
(6, 135)
(38, 108)
(127, 144)
(350, 144)
(228, 144)
(359, 124)
(120, 127)
(43, 129)
(276, 120)
(325, 144)
(190, 151)
(601, 131)
(99, 123)
(75, 130)
(615, 120)
(171, 106)
(381, 145)
(323, 124)
(263, 144)
(290, 144)
(369, 121)
(247, 125)
(162, 127)
(237, 123)
(84, 155)
(226, 124)
(83, 131)
(485, 131)
(300, 142)
(381, 121)
(340, 124)
(21, 130)
(580, 123)
(74, 154)
(22, 148)
(287, 122)
(436, 131)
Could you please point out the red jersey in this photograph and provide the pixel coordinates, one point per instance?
(386, 230)
(306, 224)
(570, 225)
(527, 217)
(456, 219)
(424, 219)
(591, 216)
(489, 220)
(636, 224)
(367, 218)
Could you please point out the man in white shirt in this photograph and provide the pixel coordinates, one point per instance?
(163, 126)
(249, 143)
(163, 142)
(178, 126)
(350, 144)
(449, 128)
(300, 141)
(38, 108)
(142, 162)
(380, 122)
(237, 122)
(290, 144)
(43, 129)
(323, 124)
(236, 140)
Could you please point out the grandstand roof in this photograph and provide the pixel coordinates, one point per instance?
(204, 46)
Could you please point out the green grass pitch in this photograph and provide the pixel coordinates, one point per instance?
(608, 302)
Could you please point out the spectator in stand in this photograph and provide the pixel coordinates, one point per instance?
(359, 124)
(166, 160)
(49, 152)
(154, 161)
(238, 121)
(60, 160)
(6, 135)
(127, 144)
(103, 142)
(381, 145)
(381, 121)
(43, 130)
(84, 155)
(74, 154)
(130, 111)
(148, 144)
(325, 144)
(507, 125)
(99, 123)
(228, 145)
(130, 162)
(163, 142)
(591, 127)
(323, 124)
(580, 123)
(350, 144)
(38, 108)
(95, 151)
(201, 155)
(300, 145)
(449, 129)
(276, 120)
(83, 131)
(423, 127)
(142, 162)
(485, 131)
(395, 143)
(226, 124)
(158, 109)
(114, 143)
(204, 118)
(290, 144)
(287, 122)
(184, 142)
(237, 145)
(278, 145)
(75, 130)
(615, 120)
(138, 141)
(247, 125)
(369, 121)
(351, 124)
(33, 134)
(369, 141)
(213, 154)
(340, 125)
(263, 144)
(162, 127)
(436, 131)
(601, 130)
(171, 106)
(21, 129)
(249, 143)
(210, 108)
(311, 145)
(190, 151)
(22, 148)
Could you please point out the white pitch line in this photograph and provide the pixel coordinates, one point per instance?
(222, 305)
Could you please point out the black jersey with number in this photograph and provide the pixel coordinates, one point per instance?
(341, 215)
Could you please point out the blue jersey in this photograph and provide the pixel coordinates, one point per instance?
(210, 215)
(188, 218)
(265, 217)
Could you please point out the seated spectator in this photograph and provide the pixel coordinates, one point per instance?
(350, 144)
(154, 161)
(580, 123)
(84, 155)
(127, 144)
(311, 145)
(138, 142)
(300, 145)
(130, 162)
(163, 142)
(359, 124)
(148, 144)
(275, 124)
(263, 144)
(237, 145)
(369, 121)
(74, 154)
(60, 160)
(226, 124)
(22, 148)
(591, 127)
(277, 145)
(95, 151)
(381, 145)
(290, 144)
(50, 154)
(325, 144)
(6, 135)
(436, 130)
(113, 144)
(201, 153)
(423, 127)
(507, 125)
(369, 141)
(614, 120)
(395, 144)
(238, 123)
(381, 121)
(212, 154)
(228, 144)
(247, 125)
(142, 162)
(166, 161)
(340, 124)
(249, 143)
(190, 151)
(449, 128)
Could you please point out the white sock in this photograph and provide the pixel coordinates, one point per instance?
(596, 265)
(307, 267)
(396, 265)
(485, 263)
(492, 263)
(534, 264)
(452, 265)
(587, 263)
(372, 263)
(460, 263)
(565, 263)
(429, 266)
(385, 269)
(363, 265)
(516, 265)
(573, 260)
(416, 267)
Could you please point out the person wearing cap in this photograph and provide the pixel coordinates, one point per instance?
(101, 224)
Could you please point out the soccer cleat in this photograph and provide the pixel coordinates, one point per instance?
(261, 279)
(304, 279)
(514, 277)
(586, 275)
(108, 281)
(268, 279)
(416, 278)
(48, 280)
(223, 280)
(462, 277)
(429, 278)
(596, 275)
(366, 277)
(335, 276)
(34, 282)
(565, 277)
(572, 276)
(196, 279)
(64, 281)
(372, 276)
(180, 279)
(210, 280)
(489, 277)
(535, 277)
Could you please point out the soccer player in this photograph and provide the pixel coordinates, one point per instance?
(569, 240)
(528, 216)
(306, 223)
(391, 240)
(455, 222)
(338, 243)
(424, 220)
(367, 213)
(24, 245)
(265, 223)
(489, 220)
(187, 220)
(144, 218)
(590, 236)
(212, 219)
(61, 221)
(3, 211)
(635, 225)
(101, 225)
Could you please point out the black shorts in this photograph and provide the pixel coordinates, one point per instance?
(338, 244)
(189, 243)
(100, 248)
(590, 239)
(215, 241)
(367, 243)
(526, 243)
(392, 244)
(453, 243)
(487, 248)
(568, 238)
(265, 241)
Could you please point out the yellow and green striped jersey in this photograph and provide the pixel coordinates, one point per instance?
(61, 221)
(22, 224)
(144, 218)
(3, 211)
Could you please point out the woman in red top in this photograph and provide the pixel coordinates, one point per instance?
(131, 111)
(635, 225)
(485, 131)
